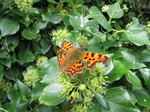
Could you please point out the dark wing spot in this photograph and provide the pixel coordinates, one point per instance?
(92, 54)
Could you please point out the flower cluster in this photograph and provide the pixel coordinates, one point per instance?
(60, 35)
(125, 8)
(63, 13)
(24, 5)
(5, 85)
(31, 77)
(105, 8)
(148, 27)
(82, 40)
(78, 89)
(40, 60)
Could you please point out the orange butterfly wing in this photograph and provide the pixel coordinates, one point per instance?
(66, 46)
(69, 61)
(92, 58)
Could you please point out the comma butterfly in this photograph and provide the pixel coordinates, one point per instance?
(71, 61)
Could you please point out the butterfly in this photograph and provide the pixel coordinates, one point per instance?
(72, 60)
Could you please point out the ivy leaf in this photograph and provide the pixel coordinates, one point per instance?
(37, 90)
(117, 72)
(52, 95)
(137, 34)
(1, 72)
(29, 33)
(7, 61)
(26, 56)
(19, 90)
(99, 17)
(12, 105)
(115, 11)
(120, 100)
(42, 47)
(55, 18)
(9, 27)
(145, 72)
(11, 43)
(131, 60)
(78, 22)
(143, 97)
(134, 80)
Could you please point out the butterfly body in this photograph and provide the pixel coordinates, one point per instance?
(71, 61)
(72, 58)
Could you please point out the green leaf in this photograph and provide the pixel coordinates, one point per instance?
(12, 74)
(55, 18)
(52, 95)
(12, 105)
(19, 90)
(1, 72)
(37, 90)
(115, 11)
(145, 54)
(137, 33)
(99, 17)
(78, 22)
(52, 1)
(22, 106)
(29, 33)
(101, 100)
(131, 60)
(8, 27)
(119, 100)
(23, 89)
(11, 43)
(143, 97)
(49, 69)
(42, 47)
(7, 61)
(26, 56)
(134, 80)
(117, 72)
(145, 73)
(46, 108)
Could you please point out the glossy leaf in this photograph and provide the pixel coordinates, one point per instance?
(12, 74)
(46, 108)
(37, 90)
(11, 43)
(51, 95)
(143, 97)
(12, 105)
(137, 34)
(117, 72)
(119, 100)
(145, 73)
(55, 18)
(115, 11)
(9, 27)
(145, 54)
(7, 61)
(99, 17)
(101, 100)
(29, 33)
(42, 47)
(1, 72)
(78, 22)
(134, 80)
(131, 60)
(18, 91)
(49, 69)
(26, 56)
